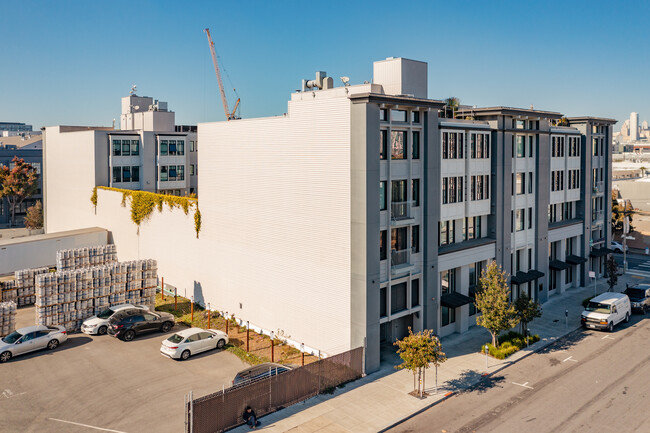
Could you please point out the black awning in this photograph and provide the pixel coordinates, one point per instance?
(575, 260)
(558, 265)
(455, 300)
(535, 274)
(598, 252)
(521, 278)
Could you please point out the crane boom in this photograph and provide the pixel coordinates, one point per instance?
(224, 101)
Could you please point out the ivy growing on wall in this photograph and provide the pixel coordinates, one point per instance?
(143, 203)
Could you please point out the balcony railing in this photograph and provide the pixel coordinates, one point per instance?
(401, 210)
(599, 187)
(401, 257)
(597, 215)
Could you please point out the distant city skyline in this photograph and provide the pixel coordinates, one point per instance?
(505, 54)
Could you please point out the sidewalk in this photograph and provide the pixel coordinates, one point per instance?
(381, 399)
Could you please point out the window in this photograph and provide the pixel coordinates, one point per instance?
(452, 145)
(181, 147)
(480, 187)
(520, 124)
(398, 144)
(126, 147)
(172, 172)
(530, 217)
(530, 182)
(415, 239)
(446, 232)
(530, 146)
(398, 239)
(163, 147)
(37, 167)
(163, 173)
(135, 174)
(117, 174)
(469, 227)
(521, 183)
(181, 172)
(383, 144)
(383, 114)
(448, 281)
(382, 195)
(192, 148)
(445, 145)
(117, 147)
(594, 146)
(415, 116)
(521, 146)
(415, 189)
(398, 298)
(383, 312)
(398, 191)
(172, 147)
(382, 245)
(445, 182)
(448, 315)
(415, 293)
(192, 170)
(519, 218)
(135, 147)
(398, 115)
(452, 190)
(415, 145)
(472, 145)
(126, 174)
(479, 146)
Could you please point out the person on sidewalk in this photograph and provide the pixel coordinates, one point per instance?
(250, 418)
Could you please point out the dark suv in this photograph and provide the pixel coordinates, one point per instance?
(639, 295)
(129, 323)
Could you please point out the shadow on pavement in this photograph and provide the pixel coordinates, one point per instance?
(71, 343)
(472, 381)
(566, 342)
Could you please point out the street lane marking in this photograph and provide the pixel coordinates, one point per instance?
(86, 425)
(570, 358)
(525, 385)
(7, 393)
(608, 337)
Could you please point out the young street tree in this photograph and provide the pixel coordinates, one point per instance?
(34, 218)
(418, 351)
(497, 313)
(612, 272)
(17, 183)
(527, 310)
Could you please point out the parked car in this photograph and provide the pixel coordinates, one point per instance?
(639, 295)
(618, 247)
(191, 341)
(606, 311)
(126, 324)
(259, 371)
(98, 325)
(29, 339)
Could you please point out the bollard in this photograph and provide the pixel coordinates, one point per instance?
(162, 288)
(175, 298)
(566, 318)
(247, 334)
(302, 353)
(227, 321)
(486, 356)
(192, 309)
(272, 347)
(209, 314)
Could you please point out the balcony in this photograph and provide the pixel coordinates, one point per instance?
(599, 187)
(400, 261)
(401, 212)
(597, 216)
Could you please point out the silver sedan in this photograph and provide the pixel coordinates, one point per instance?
(29, 339)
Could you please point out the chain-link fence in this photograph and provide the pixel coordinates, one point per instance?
(223, 410)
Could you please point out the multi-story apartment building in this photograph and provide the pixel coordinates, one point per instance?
(361, 212)
(8, 129)
(31, 150)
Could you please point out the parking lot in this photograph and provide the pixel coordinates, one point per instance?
(99, 383)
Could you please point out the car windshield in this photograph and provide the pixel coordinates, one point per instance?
(106, 314)
(597, 307)
(175, 338)
(12, 338)
(635, 293)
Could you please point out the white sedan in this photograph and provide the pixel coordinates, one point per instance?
(29, 339)
(98, 325)
(191, 341)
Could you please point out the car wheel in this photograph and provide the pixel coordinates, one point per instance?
(53, 344)
(627, 317)
(185, 355)
(221, 343)
(5, 356)
(610, 327)
(166, 326)
(129, 335)
(101, 330)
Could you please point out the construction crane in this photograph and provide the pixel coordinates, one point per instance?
(229, 115)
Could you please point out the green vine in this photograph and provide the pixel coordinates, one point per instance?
(144, 202)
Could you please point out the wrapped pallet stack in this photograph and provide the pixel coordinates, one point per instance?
(85, 257)
(26, 285)
(7, 318)
(9, 291)
(69, 297)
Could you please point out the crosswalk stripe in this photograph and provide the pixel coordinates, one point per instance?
(644, 265)
(638, 272)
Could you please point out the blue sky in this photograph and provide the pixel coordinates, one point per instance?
(69, 62)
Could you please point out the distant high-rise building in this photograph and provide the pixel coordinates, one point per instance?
(634, 126)
(644, 125)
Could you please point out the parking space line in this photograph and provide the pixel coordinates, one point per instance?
(570, 358)
(608, 337)
(86, 425)
(525, 385)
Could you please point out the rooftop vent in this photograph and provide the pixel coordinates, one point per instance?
(322, 81)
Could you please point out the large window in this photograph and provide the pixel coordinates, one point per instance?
(521, 183)
(172, 147)
(398, 191)
(521, 146)
(126, 174)
(180, 144)
(557, 180)
(135, 174)
(164, 147)
(126, 147)
(448, 281)
(519, 219)
(117, 147)
(452, 190)
(398, 145)
(446, 232)
(452, 145)
(574, 146)
(163, 173)
(448, 315)
(398, 298)
(117, 174)
(480, 187)
(135, 147)
(479, 146)
(398, 115)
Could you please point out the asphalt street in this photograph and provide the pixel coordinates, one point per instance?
(637, 264)
(99, 383)
(588, 381)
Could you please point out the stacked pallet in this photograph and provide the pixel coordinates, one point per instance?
(25, 285)
(8, 290)
(85, 257)
(7, 318)
(69, 297)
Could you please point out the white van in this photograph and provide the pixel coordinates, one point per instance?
(606, 310)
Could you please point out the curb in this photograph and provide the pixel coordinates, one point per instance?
(484, 375)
